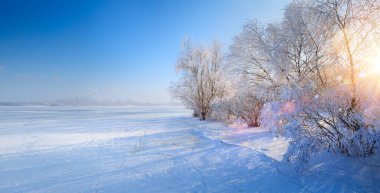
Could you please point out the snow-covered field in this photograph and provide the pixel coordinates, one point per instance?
(157, 149)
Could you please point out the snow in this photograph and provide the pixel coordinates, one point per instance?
(157, 149)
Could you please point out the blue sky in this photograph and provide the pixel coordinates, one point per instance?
(110, 50)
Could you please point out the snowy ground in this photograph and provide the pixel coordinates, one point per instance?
(157, 149)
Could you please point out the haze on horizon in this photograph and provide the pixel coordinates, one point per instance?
(110, 50)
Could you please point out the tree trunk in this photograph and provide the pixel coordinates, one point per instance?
(203, 117)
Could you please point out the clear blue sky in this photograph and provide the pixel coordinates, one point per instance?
(111, 49)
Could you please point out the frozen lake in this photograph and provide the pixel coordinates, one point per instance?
(144, 149)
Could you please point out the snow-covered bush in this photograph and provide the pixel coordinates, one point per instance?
(327, 122)
(274, 116)
(247, 107)
(301, 146)
(221, 111)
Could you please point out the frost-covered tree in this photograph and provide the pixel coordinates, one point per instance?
(304, 45)
(355, 25)
(202, 81)
(254, 60)
(254, 55)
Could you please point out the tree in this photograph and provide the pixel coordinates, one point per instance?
(306, 49)
(252, 55)
(255, 60)
(202, 80)
(355, 23)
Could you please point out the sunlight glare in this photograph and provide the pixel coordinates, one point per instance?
(375, 63)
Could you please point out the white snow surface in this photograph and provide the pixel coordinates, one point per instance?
(158, 149)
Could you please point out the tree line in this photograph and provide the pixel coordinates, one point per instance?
(311, 77)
